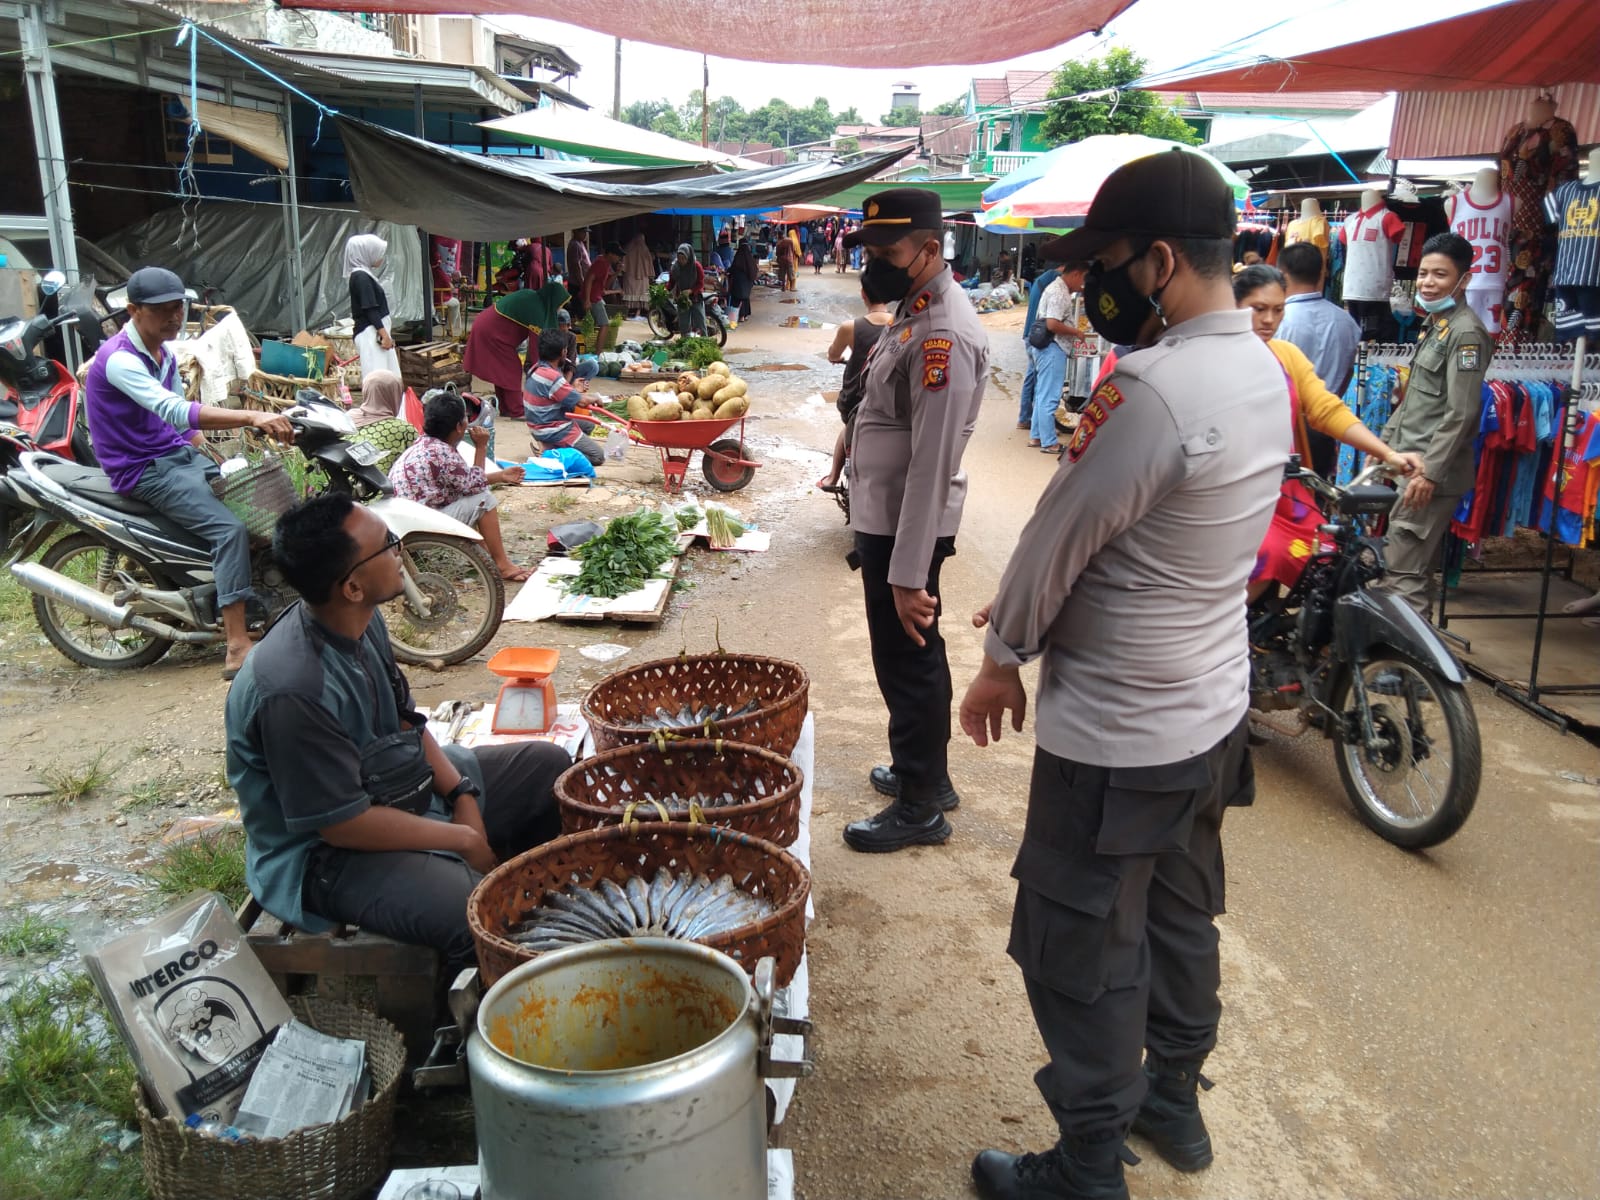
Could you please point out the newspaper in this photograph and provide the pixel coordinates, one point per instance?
(305, 1078)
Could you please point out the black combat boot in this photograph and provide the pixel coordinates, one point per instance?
(1170, 1116)
(886, 783)
(906, 822)
(1073, 1169)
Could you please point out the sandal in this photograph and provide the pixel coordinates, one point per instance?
(517, 575)
(1033, 444)
(1053, 451)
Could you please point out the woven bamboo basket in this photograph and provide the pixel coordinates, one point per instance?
(325, 1162)
(599, 791)
(258, 494)
(617, 706)
(504, 896)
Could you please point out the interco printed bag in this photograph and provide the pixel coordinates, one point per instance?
(193, 1003)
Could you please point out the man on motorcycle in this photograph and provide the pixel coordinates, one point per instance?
(353, 813)
(1128, 585)
(146, 436)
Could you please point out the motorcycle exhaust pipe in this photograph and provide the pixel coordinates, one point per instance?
(57, 586)
(101, 607)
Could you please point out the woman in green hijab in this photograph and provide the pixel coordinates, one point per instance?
(498, 331)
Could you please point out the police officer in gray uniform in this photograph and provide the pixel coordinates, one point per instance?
(924, 386)
(1439, 420)
(1128, 584)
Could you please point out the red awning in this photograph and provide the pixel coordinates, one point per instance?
(838, 33)
(1513, 43)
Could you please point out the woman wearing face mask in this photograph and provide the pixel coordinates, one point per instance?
(369, 306)
(1439, 420)
(1292, 537)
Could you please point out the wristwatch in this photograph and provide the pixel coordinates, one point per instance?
(463, 786)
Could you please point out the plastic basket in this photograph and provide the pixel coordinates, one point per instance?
(325, 1162)
(301, 362)
(258, 494)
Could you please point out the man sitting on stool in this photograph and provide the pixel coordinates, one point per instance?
(353, 813)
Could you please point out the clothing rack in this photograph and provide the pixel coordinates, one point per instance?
(1580, 396)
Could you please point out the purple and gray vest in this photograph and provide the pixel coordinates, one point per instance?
(127, 436)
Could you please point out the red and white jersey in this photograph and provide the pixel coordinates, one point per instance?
(1488, 228)
(1370, 239)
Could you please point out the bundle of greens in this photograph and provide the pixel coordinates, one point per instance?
(625, 556)
(723, 528)
(617, 406)
(698, 352)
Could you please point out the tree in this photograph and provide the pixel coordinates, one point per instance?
(847, 145)
(848, 117)
(901, 116)
(1134, 111)
(643, 113)
(951, 108)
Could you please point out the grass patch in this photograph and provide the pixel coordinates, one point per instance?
(59, 1052)
(16, 601)
(561, 501)
(68, 785)
(74, 1158)
(145, 795)
(32, 934)
(213, 863)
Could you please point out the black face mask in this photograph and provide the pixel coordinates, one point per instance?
(1116, 309)
(885, 278)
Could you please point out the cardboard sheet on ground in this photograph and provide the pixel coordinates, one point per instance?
(543, 596)
(751, 541)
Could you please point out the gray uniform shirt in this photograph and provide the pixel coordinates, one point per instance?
(1129, 579)
(1444, 399)
(924, 387)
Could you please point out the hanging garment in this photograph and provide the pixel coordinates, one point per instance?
(1370, 239)
(1534, 161)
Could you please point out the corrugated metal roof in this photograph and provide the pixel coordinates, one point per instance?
(1452, 124)
(1272, 102)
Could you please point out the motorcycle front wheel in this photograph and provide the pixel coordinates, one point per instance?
(464, 596)
(1415, 783)
(79, 636)
(660, 323)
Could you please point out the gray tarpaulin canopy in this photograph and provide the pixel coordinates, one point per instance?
(400, 178)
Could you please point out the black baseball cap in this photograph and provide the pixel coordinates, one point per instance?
(1174, 194)
(155, 285)
(888, 216)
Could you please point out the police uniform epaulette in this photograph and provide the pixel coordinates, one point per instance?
(921, 303)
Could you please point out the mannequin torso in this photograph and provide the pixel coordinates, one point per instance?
(1370, 236)
(1311, 227)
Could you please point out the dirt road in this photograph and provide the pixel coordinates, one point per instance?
(1396, 1025)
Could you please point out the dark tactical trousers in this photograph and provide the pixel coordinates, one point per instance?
(420, 896)
(914, 680)
(1119, 877)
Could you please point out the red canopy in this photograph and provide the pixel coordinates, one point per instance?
(1512, 43)
(838, 33)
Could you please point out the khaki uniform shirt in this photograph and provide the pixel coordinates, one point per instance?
(1129, 580)
(924, 386)
(1444, 399)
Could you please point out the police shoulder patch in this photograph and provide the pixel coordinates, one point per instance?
(1469, 357)
(936, 362)
(1106, 399)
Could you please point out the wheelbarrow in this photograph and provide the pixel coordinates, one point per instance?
(726, 463)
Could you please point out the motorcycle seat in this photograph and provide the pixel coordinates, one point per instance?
(94, 484)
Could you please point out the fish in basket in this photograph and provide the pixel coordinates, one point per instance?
(729, 784)
(738, 894)
(763, 701)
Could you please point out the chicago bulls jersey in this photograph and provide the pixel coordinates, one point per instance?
(1488, 228)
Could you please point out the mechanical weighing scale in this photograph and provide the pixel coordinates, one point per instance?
(527, 700)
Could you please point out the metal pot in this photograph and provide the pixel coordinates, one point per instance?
(626, 1069)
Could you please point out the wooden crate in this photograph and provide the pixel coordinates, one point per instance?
(433, 365)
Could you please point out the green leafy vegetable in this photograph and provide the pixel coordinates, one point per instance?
(618, 407)
(625, 556)
(697, 351)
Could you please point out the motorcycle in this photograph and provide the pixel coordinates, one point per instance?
(41, 396)
(127, 584)
(665, 315)
(1376, 679)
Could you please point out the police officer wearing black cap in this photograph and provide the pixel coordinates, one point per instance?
(924, 386)
(1128, 584)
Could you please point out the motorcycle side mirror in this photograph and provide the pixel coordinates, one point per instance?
(190, 295)
(52, 283)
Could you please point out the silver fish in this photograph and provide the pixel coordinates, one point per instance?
(599, 905)
(617, 900)
(576, 911)
(639, 900)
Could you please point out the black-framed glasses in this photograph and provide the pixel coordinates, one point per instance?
(390, 543)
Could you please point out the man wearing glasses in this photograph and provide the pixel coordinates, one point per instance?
(353, 813)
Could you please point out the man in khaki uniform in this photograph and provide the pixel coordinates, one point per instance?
(924, 386)
(1438, 420)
